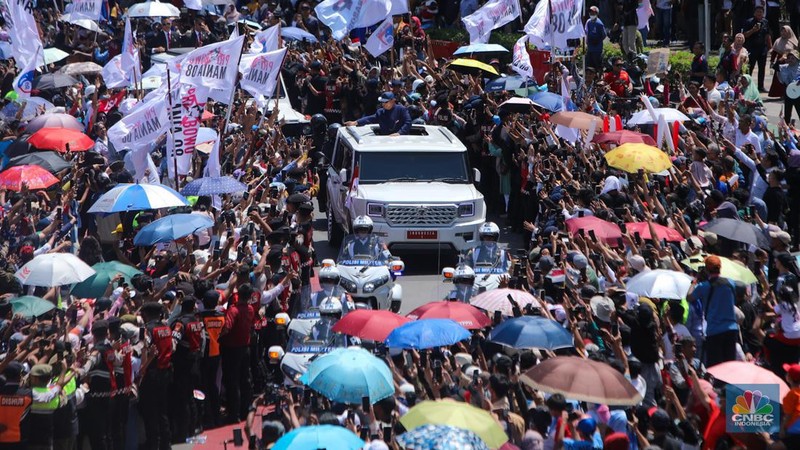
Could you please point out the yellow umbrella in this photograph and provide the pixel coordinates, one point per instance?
(633, 156)
(471, 66)
(575, 119)
(456, 414)
(730, 269)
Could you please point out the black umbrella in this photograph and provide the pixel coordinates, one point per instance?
(51, 161)
(739, 231)
(51, 81)
(19, 147)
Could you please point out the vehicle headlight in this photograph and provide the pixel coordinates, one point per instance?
(349, 285)
(466, 210)
(372, 285)
(375, 209)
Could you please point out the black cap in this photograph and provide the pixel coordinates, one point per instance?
(102, 304)
(13, 370)
(296, 199)
(114, 323)
(101, 326)
(152, 308)
(306, 207)
(588, 291)
(297, 172)
(316, 65)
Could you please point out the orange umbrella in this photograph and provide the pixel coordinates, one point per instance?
(61, 139)
(574, 119)
(35, 177)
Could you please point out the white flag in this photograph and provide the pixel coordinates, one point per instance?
(145, 168)
(86, 9)
(381, 39)
(22, 31)
(342, 16)
(187, 109)
(521, 62)
(212, 66)
(398, 7)
(552, 27)
(113, 73)
(141, 127)
(23, 83)
(213, 167)
(493, 14)
(130, 56)
(196, 5)
(260, 74)
(266, 40)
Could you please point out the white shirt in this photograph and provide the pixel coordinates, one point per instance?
(680, 331)
(713, 96)
(790, 321)
(749, 138)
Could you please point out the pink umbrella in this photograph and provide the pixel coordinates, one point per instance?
(623, 137)
(662, 232)
(466, 315)
(497, 300)
(739, 372)
(607, 231)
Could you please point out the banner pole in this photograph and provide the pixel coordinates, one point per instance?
(230, 102)
(171, 134)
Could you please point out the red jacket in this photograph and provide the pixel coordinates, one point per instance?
(238, 323)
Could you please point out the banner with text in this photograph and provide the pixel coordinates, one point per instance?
(551, 27)
(494, 14)
(22, 31)
(521, 62)
(260, 74)
(142, 127)
(212, 66)
(130, 55)
(267, 40)
(187, 109)
(382, 39)
(86, 9)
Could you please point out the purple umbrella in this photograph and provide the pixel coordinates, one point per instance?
(53, 120)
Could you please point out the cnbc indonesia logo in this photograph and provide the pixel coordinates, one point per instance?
(752, 409)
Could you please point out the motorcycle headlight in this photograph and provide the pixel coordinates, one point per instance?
(349, 285)
(372, 285)
(290, 373)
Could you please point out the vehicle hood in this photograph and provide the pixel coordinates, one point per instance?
(404, 192)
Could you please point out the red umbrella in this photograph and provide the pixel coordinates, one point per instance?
(34, 176)
(607, 231)
(61, 139)
(465, 314)
(623, 137)
(662, 232)
(368, 324)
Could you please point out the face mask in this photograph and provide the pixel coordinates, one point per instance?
(362, 235)
(489, 244)
(592, 17)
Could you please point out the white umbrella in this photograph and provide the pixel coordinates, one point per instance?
(660, 283)
(90, 25)
(54, 269)
(153, 9)
(52, 55)
(152, 82)
(137, 197)
(643, 117)
(82, 68)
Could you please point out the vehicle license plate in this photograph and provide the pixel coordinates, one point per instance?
(422, 234)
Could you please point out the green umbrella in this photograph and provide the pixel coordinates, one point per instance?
(730, 269)
(30, 306)
(95, 286)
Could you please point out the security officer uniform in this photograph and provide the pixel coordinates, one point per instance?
(156, 379)
(15, 407)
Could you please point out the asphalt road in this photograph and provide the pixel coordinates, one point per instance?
(421, 281)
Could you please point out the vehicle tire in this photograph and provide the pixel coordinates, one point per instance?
(335, 232)
(395, 307)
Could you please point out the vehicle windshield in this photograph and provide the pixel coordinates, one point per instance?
(320, 339)
(486, 261)
(356, 251)
(381, 167)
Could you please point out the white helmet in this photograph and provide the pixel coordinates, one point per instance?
(464, 275)
(362, 223)
(489, 229)
(330, 306)
(329, 275)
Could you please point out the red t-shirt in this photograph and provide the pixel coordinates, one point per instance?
(238, 322)
(619, 88)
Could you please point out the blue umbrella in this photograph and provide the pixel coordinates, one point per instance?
(547, 100)
(170, 228)
(531, 332)
(329, 437)
(480, 49)
(345, 375)
(427, 333)
(137, 197)
(441, 437)
(297, 34)
(213, 186)
(509, 83)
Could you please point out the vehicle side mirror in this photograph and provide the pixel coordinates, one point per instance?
(476, 174)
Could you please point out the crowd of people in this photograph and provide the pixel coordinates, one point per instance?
(183, 345)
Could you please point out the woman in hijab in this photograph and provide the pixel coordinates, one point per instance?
(786, 43)
(741, 54)
(748, 92)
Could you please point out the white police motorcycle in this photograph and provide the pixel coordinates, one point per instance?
(485, 265)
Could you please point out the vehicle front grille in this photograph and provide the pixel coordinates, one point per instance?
(421, 216)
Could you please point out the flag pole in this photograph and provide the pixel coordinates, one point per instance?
(230, 101)
(171, 134)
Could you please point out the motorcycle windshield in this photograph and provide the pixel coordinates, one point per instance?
(320, 339)
(485, 261)
(359, 251)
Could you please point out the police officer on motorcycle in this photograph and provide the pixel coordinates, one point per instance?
(364, 243)
(463, 284)
(488, 253)
(329, 278)
(330, 311)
